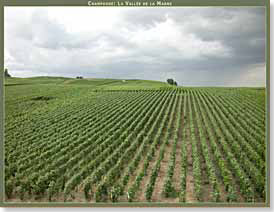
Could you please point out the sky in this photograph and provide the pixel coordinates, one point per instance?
(196, 46)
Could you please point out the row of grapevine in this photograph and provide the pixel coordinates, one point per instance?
(150, 185)
(50, 131)
(214, 150)
(133, 165)
(157, 141)
(182, 190)
(60, 156)
(245, 184)
(215, 193)
(105, 187)
(247, 161)
(104, 156)
(195, 153)
(130, 145)
(168, 188)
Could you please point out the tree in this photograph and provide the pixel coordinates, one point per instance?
(170, 81)
(6, 73)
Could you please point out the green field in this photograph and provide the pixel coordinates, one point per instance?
(103, 140)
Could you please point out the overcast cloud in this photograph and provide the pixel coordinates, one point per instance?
(209, 46)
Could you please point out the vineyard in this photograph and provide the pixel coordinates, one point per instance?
(68, 142)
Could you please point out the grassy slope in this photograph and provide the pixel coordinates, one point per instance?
(104, 84)
(20, 93)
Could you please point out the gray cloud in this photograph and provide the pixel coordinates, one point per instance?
(196, 46)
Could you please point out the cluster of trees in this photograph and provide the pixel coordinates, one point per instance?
(171, 82)
(79, 77)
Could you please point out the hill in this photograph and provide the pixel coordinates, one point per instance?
(96, 83)
(64, 142)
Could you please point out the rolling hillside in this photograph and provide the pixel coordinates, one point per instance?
(109, 140)
(101, 84)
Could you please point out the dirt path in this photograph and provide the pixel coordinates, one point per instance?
(206, 187)
(139, 169)
(190, 196)
(141, 194)
(190, 193)
(131, 181)
(181, 139)
(159, 183)
(223, 193)
(157, 195)
(177, 169)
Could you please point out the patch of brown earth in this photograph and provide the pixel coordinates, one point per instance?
(159, 183)
(190, 195)
(141, 194)
(131, 181)
(177, 169)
